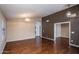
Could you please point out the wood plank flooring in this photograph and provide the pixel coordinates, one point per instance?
(40, 46)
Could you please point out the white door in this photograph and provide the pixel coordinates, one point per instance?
(57, 30)
(38, 29)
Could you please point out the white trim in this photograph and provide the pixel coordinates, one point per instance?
(73, 45)
(20, 40)
(69, 32)
(48, 38)
(63, 22)
(69, 29)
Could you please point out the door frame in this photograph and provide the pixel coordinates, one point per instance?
(60, 24)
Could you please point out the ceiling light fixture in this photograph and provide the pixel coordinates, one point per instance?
(27, 19)
(69, 14)
(47, 21)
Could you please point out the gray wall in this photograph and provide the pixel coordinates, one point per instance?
(75, 29)
(48, 28)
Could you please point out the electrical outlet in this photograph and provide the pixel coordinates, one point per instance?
(72, 41)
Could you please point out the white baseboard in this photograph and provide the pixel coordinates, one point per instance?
(64, 37)
(48, 38)
(73, 45)
(20, 39)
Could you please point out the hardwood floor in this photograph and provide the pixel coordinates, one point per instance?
(40, 46)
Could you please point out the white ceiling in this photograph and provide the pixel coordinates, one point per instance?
(14, 11)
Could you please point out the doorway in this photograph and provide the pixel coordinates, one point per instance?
(62, 32)
(38, 29)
